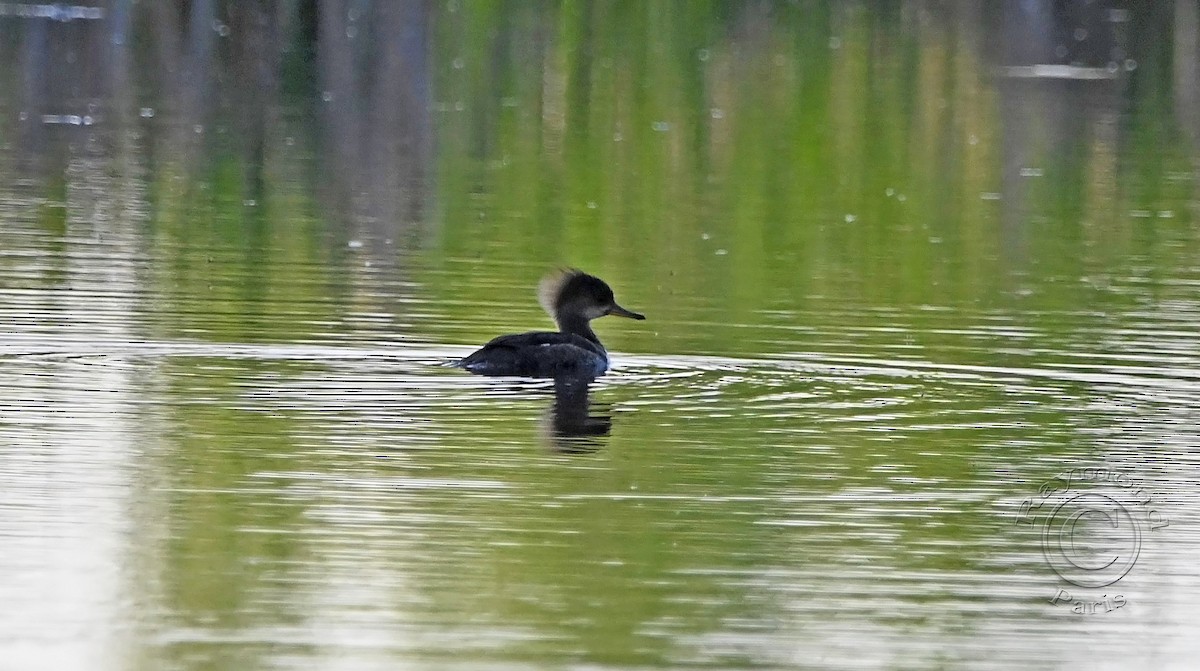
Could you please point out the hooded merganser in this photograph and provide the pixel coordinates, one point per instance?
(573, 298)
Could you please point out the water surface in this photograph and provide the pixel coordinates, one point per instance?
(897, 280)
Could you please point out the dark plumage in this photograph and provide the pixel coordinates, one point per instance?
(573, 298)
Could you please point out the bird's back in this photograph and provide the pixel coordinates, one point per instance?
(538, 354)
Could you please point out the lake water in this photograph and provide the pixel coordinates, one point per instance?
(917, 386)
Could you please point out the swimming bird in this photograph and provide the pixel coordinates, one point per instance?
(572, 298)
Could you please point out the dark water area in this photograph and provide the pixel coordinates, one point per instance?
(917, 386)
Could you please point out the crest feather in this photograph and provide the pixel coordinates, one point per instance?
(551, 287)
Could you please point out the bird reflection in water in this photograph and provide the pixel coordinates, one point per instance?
(570, 427)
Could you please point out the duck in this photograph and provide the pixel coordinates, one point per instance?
(573, 299)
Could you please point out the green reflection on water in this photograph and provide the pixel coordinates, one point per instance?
(768, 171)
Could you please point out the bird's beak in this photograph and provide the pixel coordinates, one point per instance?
(622, 312)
